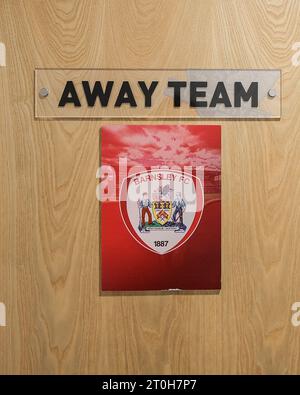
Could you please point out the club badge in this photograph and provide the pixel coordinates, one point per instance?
(161, 208)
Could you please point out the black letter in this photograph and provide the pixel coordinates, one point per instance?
(194, 93)
(69, 89)
(216, 99)
(148, 92)
(97, 92)
(125, 95)
(240, 93)
(177, 85)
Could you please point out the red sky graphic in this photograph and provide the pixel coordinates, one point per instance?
(170, 145)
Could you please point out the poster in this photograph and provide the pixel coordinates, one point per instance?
(160, 192)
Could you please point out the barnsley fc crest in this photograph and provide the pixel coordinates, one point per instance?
(161, 208)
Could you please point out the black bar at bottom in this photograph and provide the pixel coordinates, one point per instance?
(133, 384)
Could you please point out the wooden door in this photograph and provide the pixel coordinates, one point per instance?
(49, 244)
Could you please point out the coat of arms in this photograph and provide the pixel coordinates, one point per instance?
(161, 208)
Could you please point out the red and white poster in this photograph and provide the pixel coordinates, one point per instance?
(160, 192)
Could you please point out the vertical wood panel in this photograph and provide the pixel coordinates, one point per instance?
(49, 246)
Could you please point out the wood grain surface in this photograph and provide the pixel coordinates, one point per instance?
(49, 244)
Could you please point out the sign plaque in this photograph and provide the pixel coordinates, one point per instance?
(157, 94)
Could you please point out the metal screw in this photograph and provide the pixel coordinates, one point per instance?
(272, 93)
(44, 92)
